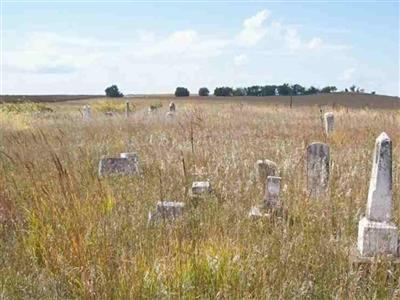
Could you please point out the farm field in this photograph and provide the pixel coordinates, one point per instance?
(67, 233)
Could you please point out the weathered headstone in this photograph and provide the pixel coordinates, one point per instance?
(172, 107)
(329, 122)
(271, 198)
(265, 168)
(272, 189)
(317, 169)
(377, 234)
(87, 113)
(167, 210)
(118, 166)
(201, 188)
(127, 109)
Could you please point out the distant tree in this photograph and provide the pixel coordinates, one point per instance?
(182, 92)
(223, 91)
(239, 92)
(346, 90)
(204, 92)
(113, 91)
(284, 89)
(298, 89)
(268, 90)
(353, 88)
(312, 90)
(328, 89)
(373, 93)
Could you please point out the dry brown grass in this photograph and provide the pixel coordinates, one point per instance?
(65, 233)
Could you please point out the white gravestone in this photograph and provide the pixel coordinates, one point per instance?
(167, 210)
(126, 164)
(317, 169)
(329, 121)
(87, 113)
(201, 188)
(376, 232)
(265, 168)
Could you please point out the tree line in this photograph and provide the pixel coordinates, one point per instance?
(255, 90)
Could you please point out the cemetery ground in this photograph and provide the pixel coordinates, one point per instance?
(65, 232)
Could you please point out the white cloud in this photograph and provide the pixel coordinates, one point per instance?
(240, 60)
(253, 30)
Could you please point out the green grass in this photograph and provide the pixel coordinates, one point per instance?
(65, 233)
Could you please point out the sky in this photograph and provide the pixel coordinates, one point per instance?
(81, 47)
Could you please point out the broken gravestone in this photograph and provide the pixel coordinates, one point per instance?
(200, 189)
(317, 169)
(166, 211)
(126, 164)
(377, 234)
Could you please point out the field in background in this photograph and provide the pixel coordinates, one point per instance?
(65, 233)
(351, 100)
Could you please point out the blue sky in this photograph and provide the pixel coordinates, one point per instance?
(54, 47)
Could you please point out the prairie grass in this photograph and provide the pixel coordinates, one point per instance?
(65, 233)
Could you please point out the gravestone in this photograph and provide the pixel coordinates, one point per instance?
(265, 168)
(126, 165)
(271, 201)
(166, 210)
(87, 113)
(201, 188)
(377, 234)
(329, 122)
(172, 107)
(317, 169)
(272, 189)
(127, 109)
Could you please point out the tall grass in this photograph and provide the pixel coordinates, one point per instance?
(65, 233)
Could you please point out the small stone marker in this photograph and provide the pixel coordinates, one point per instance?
(130, 155)
(265, 168)
(377, 235)
(329, 121)
(124, 165)
(167, 210)
(201, 188)
(87, 113)
(172, 107)
(127, 109)
(317, 169)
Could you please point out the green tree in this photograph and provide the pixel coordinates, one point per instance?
(113, 91)
(204, 92)
(284, 89)
(223, 91)
(182, 92)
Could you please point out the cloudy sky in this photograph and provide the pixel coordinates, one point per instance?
(70, 47)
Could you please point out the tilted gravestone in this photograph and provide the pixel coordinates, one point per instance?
(126, 164)
(271, 200)
(329, 121)
(317, 169)
(166, 210)
(265, 168)
(377, 234)
(87, 113)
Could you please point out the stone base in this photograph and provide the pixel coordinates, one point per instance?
(256, 212)
(356, 259)
(377, 238)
